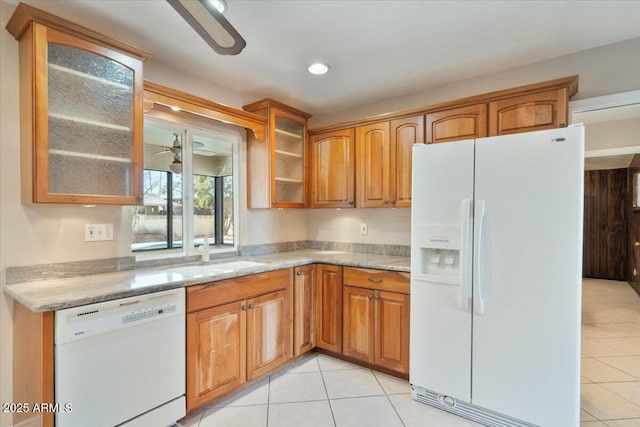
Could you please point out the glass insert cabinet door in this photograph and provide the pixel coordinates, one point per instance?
(88, 121)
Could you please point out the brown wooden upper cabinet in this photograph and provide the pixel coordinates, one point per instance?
(332, 169)
(276, 167)
(525, 113)
(383, 166)
(81, 113)
(457, 123)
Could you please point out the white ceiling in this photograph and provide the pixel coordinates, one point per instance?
(376, 49)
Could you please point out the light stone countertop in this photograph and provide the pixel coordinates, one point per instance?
(56, 294)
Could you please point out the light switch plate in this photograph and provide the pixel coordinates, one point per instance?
(98, 232)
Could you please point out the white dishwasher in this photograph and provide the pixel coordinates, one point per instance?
(122, 362)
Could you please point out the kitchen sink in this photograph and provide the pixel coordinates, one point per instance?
(214, 268)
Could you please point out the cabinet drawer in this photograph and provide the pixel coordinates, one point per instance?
(225, 291)
(384, 280)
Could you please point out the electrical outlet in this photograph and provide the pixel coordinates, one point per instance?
(364, 229)
(98, 232)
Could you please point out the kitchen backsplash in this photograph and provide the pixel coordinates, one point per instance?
(79, 268)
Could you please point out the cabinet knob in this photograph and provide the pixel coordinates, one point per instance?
(298, 273)
(273, 202)
(369, 296)
(243, 308)
(251, 306)
(351, 202)
(375, 279)
(562, 125)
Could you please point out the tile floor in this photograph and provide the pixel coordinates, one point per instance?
(610, 391)
(322, 391)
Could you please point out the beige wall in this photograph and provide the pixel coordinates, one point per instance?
(386, 226)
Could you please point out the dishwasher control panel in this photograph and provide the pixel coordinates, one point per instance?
(86, 321)
(149, 312)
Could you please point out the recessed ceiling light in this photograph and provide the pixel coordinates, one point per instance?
(318, 68)
(219, 5)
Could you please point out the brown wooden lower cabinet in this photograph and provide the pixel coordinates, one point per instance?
(376, 317)
(391, 338)
(376, 327)
(329, 307)
(33, 370)
(358, 334)
(236, 341)
(304, 306)
(268, 332)
(216, 352)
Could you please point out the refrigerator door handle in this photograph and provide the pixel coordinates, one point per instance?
(466, 255)
(478, 298)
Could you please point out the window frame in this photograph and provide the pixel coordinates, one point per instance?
(189, 248)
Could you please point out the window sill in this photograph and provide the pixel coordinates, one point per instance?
(179, 255)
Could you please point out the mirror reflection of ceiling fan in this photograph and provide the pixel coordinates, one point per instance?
(207, 19)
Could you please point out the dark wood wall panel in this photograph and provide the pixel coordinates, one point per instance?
(633, 229)
(605, 224)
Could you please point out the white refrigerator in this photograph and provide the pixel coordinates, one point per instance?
(496, 266)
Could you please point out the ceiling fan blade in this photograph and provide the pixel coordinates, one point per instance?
(162, 152)
(211, 25)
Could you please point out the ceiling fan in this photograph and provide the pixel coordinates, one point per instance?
(176, 150)
(206, 17)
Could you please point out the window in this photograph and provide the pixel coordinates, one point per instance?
(183, 160)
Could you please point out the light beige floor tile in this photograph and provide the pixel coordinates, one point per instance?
(620, 329)
(585, 416)
(255, 394)
(307, 414)
(392, 385)
(626, 346)
(592, 424)
(416, 414)
(628, 364)
(351, 383)
(584, 380)
(302, 387)
(630, 391)
(624, 423)
(594, 332)
(373, 411)
(596, 348)
(606, 405)
(599, 372)
(236, 416)
(308, 364)
(330, 364)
